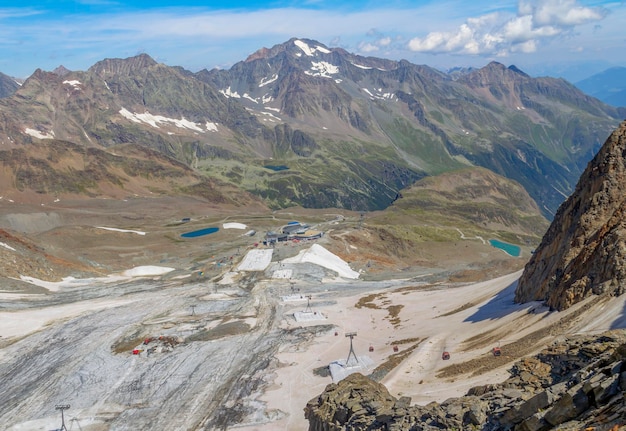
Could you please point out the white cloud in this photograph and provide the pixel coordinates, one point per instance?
(18, 12)
(367, 47)
(385, 41)
(380, 43)
(499, 33)
(464, 40)
(561, 13)
(526, 47)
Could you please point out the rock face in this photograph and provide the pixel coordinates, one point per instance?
(584, 250)
(357, 402)
(572, 385)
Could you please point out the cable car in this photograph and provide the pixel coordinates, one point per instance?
(445, 356)
(496, 351)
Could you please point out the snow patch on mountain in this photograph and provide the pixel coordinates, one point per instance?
(266, 98)
(229, 93)
(308, 50)
(379, 94)
(8, 247)
(322, 69)
(266, 81)
(40, 135)
(156, 120)
(247, 96)
(268, 116)
(75, 84)
(138, 232)
(69, 282)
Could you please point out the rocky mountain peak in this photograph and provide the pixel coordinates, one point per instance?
(296, 46)
(515, 69)
(126, 66)
(43, 77)
(61, 71)
(584, 250)
(492, 74)
(258, 55)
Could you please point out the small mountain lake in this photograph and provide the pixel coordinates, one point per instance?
(512, 249)
(200, 232)
(276, 168)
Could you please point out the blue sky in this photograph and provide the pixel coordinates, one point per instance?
(569, 38)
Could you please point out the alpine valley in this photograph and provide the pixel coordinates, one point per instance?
(342, 194)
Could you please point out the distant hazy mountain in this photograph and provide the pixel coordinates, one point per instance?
(304, 124)
(455, 72)
(8, 85)
(608, 86)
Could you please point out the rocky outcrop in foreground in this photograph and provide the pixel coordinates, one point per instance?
(584, 250)
(577, 384)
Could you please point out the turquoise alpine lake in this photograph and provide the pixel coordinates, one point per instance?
(512, 249)
(201, 232)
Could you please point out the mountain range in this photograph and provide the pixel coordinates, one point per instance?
(296, 124)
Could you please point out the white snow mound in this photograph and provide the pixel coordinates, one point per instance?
(234, 226)
(139, 271)
(320, 256)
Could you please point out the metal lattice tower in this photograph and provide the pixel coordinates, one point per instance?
(62, 407)
(351, 353)
(308, 305)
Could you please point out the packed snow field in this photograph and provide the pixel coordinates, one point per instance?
(156, 348)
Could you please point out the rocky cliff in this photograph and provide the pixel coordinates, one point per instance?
(576, 384)
(584, 250)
